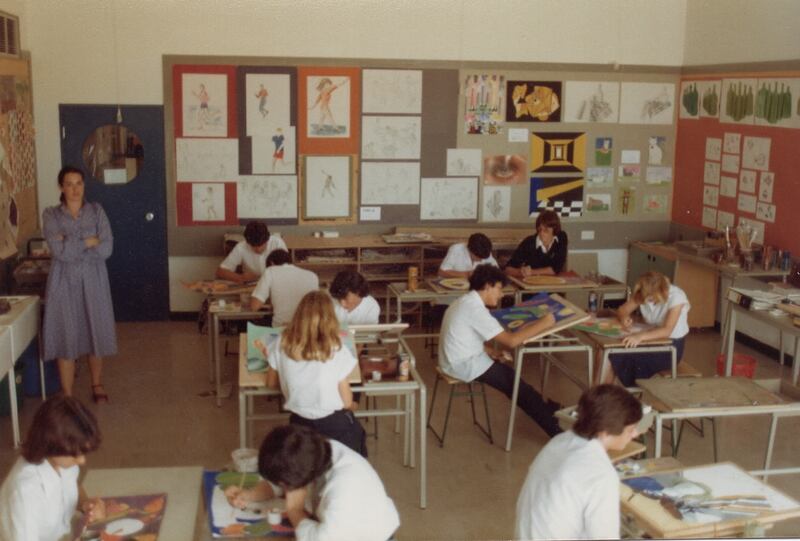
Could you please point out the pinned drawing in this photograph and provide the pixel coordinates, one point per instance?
(326, 187)
(207, 160)
(205, 104)
(656, 147)
(484, 104)
(558, 152)
(709, 98)
(496, 204)
(713, 148)
(275, 154)
(730, 163)
(603, 150)
(328, 100)
(711, 173)
(630, 173)
(658, 175)
(600, 177)
(739, 101)
(775, 100)
(709, 217)
(268, 197)
(626, 200)
(747, 181)
(655, 203)
(208, 202)
(765, 212)
(766, 186)
(463, 162)
(449, 198)
(711, 196)
(533, 101)
(732, 143)
(598, 202)
(504, 170)
(746, 203)
(391, 137)
(386, 183)
(391, 91)
(591, 101)
(727, 187)
(647, 103)
(690, 100)
(268, 103)
(755, 153)
(562, 195)
(725, 219)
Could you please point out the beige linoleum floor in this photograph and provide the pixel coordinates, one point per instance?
(157, 418)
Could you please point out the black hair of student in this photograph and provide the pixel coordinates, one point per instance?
(349, 281)
(293, 456)
(66, 170)
(479, 245)
(62, 426)
(256, 233)
(608, 408)
(486, 274)
(549, 218)
(278, 257)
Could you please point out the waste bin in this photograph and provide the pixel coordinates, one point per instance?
(743, 365)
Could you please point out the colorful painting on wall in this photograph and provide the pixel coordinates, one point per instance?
(598, 202)
(562, 195)
(603, 150)
(533, 101)
(504, 170)
(205, 104)
(484, 104)
(626, 200)
(558, 152)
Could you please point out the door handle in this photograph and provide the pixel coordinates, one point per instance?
(149, 216)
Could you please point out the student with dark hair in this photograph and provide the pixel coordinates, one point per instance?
(285, 284)
(572, 488)
(251, 254)
(542, 253)
(41, 493)
(352, 301)
(463, 257)
(331, 491)
(464, 354)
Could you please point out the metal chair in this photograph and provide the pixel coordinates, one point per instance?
(473, 388)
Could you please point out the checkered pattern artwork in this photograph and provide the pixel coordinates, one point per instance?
(564, 195)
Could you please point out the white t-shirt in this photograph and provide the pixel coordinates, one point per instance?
(656, 313)
(368, 312)
(243, 254)
(467, 324)
(285, 285)
(36, 503)
(458, 259)
(571, 492)
(311, 388)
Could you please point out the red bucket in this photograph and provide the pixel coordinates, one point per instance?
(743, 365)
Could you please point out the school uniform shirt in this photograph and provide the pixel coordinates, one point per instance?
(467, 324)
(285, 285)
(571, 492)
(368, 312)
(243, 254)
(37, 502)
(311, 388)
(458, 259)
(533, 253)
(656, 313)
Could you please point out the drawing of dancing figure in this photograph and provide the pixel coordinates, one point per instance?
(203, 115)
(208, 203)
(328, 185)
(325, 89)
(262, 100)
(277, 156)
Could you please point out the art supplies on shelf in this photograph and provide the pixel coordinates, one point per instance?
(565, 313)
(127, 518)
(402, 238)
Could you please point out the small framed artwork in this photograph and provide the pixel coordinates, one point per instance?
(328, 189)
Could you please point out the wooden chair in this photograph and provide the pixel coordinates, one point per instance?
(473, 388)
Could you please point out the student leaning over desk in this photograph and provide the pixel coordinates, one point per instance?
(283, 283)
(463, 257)
(351, 299)
(251, 254)
(542, 253)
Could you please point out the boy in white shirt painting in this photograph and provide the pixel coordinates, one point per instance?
(251, 254)
(351, 299)
(462, 258)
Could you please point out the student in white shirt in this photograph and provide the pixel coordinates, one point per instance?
(572, 489)
(311, 365)
(285, 284)
(41, 493)
(662, 305)
(331, 492)
(464, 353)
(251, 254)
(352, 301)
(462, 258)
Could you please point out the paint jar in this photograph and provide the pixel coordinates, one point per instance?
(593, 302)
(404, 368)
(221, 303)
(413, 278)
(766, 257)
(274, 516)
(376, 375)
(786, 262)
(245, 460)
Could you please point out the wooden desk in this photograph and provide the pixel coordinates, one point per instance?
(182, 485)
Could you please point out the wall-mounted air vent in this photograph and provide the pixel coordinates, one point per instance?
(9, 34)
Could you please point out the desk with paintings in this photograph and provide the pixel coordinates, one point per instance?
(569, 281)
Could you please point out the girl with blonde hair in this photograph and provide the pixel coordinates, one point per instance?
(665, 307)
(311, 365)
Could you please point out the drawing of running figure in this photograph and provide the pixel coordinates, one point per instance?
(203, 115)
(262, 100)
(325, 89)
(208, 202)
(277, 156)
(328, 186)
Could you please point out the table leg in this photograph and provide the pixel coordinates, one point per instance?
(399, 309)
(386, 315)
(729, 341)
(410, 429)
(659, 428)
(41, 365)
(514, 395)
(795, 361)
(210, 351)
(590, 354)
(423, 447)
(770, 444)
(242, 419)
(604, 367)
(780, 348)
(674, 355)
(12, 395)
(215, 353)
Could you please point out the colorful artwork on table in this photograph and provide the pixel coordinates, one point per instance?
(260, 340)
(535, 308)
(533, 101)
(563, 195)
(558, 152)
(603, 150)
(128, 518)
(591, 101)
(205, 104)
(484, 104)
(609, 326)
(504, 170)
(451, 284)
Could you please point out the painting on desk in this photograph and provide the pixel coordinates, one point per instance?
(228, 521)
(127, 518)
(609, 326)
(536, 308)
(260, 339)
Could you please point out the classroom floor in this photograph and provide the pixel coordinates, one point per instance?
(158, 416)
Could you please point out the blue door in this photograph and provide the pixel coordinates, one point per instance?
(126, 176)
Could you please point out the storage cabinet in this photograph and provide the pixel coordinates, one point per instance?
(642, 259)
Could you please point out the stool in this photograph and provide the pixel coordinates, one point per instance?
(471, 392)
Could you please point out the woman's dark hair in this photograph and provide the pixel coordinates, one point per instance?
(349, 281)
(549, 218)
(479, 245)
(608, 408)
(256, 233)
(62, 426)
(278, 257)
(486, 274)
(67, 169)
(293, 456)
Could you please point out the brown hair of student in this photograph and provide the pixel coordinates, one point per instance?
(608, 408)
(549, 218)
(62, 426)
(256, 233)
(313, 333)
(486, 274)
(349, 281)
(479, 245)
(278, 257)
(293, 456)
(653, 285)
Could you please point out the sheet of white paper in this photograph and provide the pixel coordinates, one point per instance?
(370, 214)
(766, 212)
(115, 176)
(274, 154)
(659, 175)
(450, 198)
(730, 163)
(709, 217)
(630, 156)
(713, 148)
(600, 177)
(268, 98)
(390, 183)
(755, 153)
(327, 187)
(391, 137)
(747, 181)
(591, 101)
(711, 196)
(756, 225)
(732, 143)
(766, 186)
(392, 91)
(725, 218)
(464, 162)
(727, 187)
(267, 196)
(647, 103)
(711, 173)
(208, 202)
(207, 159)
(746, 203)
(496, 204)
(517, 135)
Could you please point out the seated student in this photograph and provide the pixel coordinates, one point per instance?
(251, 254)
(468, 325)
(572, 488)
(462, 258)
(352, 301)
(311, 365)
(666, 307)
(41, 493)
(331, 492)
(285, 284)
(542, 253)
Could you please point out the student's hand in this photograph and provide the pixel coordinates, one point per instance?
(296, 499)
(260, 346)
(91, 242)
(95, 509)
(248, 277)
(526, 271)
(632, 341)
(238, 497)
(550, 319)
(626, 322)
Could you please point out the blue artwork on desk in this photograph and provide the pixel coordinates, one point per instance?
(534, 309)
(259, 341)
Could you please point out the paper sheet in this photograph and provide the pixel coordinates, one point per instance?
(727, 187)
(713, 148)
(730, 163)
(766, 186)
(709, 217)
(746, 203)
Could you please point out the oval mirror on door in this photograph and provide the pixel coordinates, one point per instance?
(113, 154)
